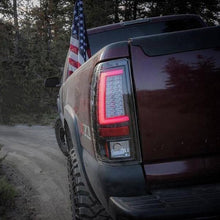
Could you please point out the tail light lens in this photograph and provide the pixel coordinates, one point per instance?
(110, 101)
(113, 112)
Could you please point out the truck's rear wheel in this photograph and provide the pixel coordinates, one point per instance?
(83, 204)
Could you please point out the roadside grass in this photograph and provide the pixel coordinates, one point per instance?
(7, 191)
(1, 158)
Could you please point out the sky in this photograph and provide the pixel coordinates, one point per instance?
(21, 4)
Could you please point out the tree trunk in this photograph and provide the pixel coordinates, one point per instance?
(135, 3)
(116, 5)
(15, 16)
(48, 29)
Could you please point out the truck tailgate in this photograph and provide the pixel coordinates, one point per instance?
(177, 83)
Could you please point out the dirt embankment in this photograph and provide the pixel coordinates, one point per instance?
(38, 168)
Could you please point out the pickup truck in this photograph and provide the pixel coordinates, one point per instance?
(139, 121)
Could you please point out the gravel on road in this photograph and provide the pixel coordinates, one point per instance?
(33, 153)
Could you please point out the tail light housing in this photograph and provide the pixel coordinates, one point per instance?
(113, 112)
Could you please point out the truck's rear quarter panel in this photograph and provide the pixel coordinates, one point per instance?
(76, 94)
(77, 91)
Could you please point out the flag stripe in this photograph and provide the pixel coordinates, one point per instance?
(89, 53)
(78, 58)
(73, 55)
(74, 63)
(74, 41)
(74, 49)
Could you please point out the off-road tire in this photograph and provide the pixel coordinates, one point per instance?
(60, 136)
(83, 204)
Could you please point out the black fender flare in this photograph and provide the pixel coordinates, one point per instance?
(71, 123)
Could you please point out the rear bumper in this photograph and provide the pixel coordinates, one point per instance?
(178, 203)
(122, 191)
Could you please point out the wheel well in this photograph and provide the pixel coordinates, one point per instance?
(66, 129)
(65, 125)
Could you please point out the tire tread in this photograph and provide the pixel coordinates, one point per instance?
(84, 204)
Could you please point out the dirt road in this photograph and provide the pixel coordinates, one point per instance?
(34, 153)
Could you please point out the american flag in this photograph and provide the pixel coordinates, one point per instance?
(79, 50)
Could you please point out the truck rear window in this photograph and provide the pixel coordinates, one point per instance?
(99, 40)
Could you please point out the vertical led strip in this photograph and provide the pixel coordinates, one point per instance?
(110, 99)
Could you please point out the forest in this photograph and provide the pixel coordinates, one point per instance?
(35, 37)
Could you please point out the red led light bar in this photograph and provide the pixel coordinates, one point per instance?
(114, 132)
(102, 100)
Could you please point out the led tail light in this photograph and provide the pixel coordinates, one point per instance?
(114, 118)
(111, 104)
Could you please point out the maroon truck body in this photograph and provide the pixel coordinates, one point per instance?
(173, 168)
(178, 106)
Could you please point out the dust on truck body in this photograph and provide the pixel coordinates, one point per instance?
(142, 120)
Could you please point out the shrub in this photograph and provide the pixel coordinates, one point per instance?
(7, 191)
(1, 158)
